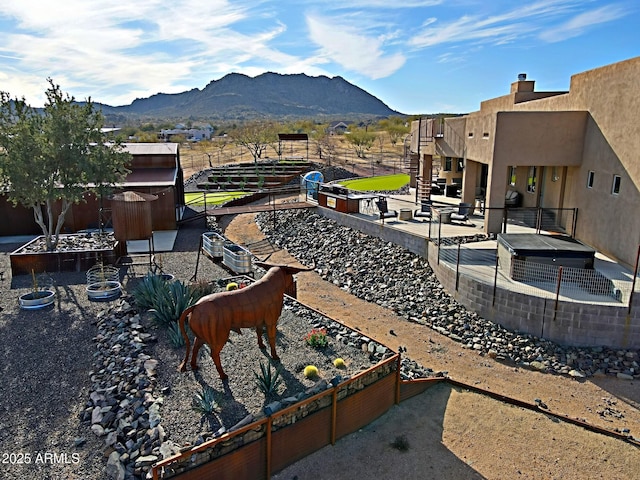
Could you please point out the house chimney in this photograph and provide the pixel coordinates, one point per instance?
(522, 85)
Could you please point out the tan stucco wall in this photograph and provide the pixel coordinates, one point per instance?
(595, 126)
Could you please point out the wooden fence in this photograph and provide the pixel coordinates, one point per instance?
(273, 442)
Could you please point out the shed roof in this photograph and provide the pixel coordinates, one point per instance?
(151, 177)
(151, 148)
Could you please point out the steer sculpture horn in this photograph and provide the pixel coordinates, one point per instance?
(257, 306)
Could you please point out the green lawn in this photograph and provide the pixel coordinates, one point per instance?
(217, 198)
(383, 182)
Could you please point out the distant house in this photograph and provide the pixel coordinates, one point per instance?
(189, 134)
(337, 128)
(558, 150)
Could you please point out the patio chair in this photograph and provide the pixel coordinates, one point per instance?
(381, 203)
(424, 211)
(512, 198)
(462, 215)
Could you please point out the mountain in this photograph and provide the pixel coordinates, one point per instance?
(237, 96)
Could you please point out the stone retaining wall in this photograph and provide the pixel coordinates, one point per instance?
(573, 324)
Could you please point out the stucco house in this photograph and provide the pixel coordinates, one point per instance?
(568, 149)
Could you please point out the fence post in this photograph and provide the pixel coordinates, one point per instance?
(439, 239)
(555, 309)
(334, 413)
(398, 367)
(458, 268)
(495, 282)
(268, 439)
(633, 284)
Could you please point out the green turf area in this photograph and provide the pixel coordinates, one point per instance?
(383, 182)
(213, 198)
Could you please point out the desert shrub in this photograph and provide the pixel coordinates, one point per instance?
(317, 338)
(176, 340)
(201, 288)
(268, 380)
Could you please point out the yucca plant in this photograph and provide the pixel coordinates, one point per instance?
(268, 380)
(205, 402)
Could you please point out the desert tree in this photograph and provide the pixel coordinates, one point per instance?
(50, 159)
(361, 140)
(255, 137)
(396, 127)
(325, 147)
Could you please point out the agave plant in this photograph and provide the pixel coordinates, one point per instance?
(171, 301)
(146, 292)
(175, 335)
(268, 380)
(205, 402)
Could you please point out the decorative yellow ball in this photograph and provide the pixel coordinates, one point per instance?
(232, 286)
(310, 371)
(338, 363)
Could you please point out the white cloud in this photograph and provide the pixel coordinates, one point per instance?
(582, 22)
(347, 46)
(497, 29)
(132, 48)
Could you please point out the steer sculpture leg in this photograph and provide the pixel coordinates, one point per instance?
(197, 344)
(271, 333)
(259, 333)
(215, 356)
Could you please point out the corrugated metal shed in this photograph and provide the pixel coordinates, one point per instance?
(131, 215)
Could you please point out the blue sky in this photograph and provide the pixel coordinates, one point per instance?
(417, 56)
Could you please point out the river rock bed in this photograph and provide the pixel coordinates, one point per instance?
(73, 242)
(389, 275)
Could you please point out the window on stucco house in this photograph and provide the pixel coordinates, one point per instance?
(532, 179)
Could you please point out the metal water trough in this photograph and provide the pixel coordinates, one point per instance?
(212, 244)
(236, 258)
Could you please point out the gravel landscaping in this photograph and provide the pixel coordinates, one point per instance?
(104, 399)
(90, 389)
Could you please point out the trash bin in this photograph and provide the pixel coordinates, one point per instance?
(451, 190)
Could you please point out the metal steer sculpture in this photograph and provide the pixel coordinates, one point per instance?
(259, 305)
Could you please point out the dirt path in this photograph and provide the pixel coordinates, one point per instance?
(500, 446)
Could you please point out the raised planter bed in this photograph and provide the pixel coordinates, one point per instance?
(28, 258)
